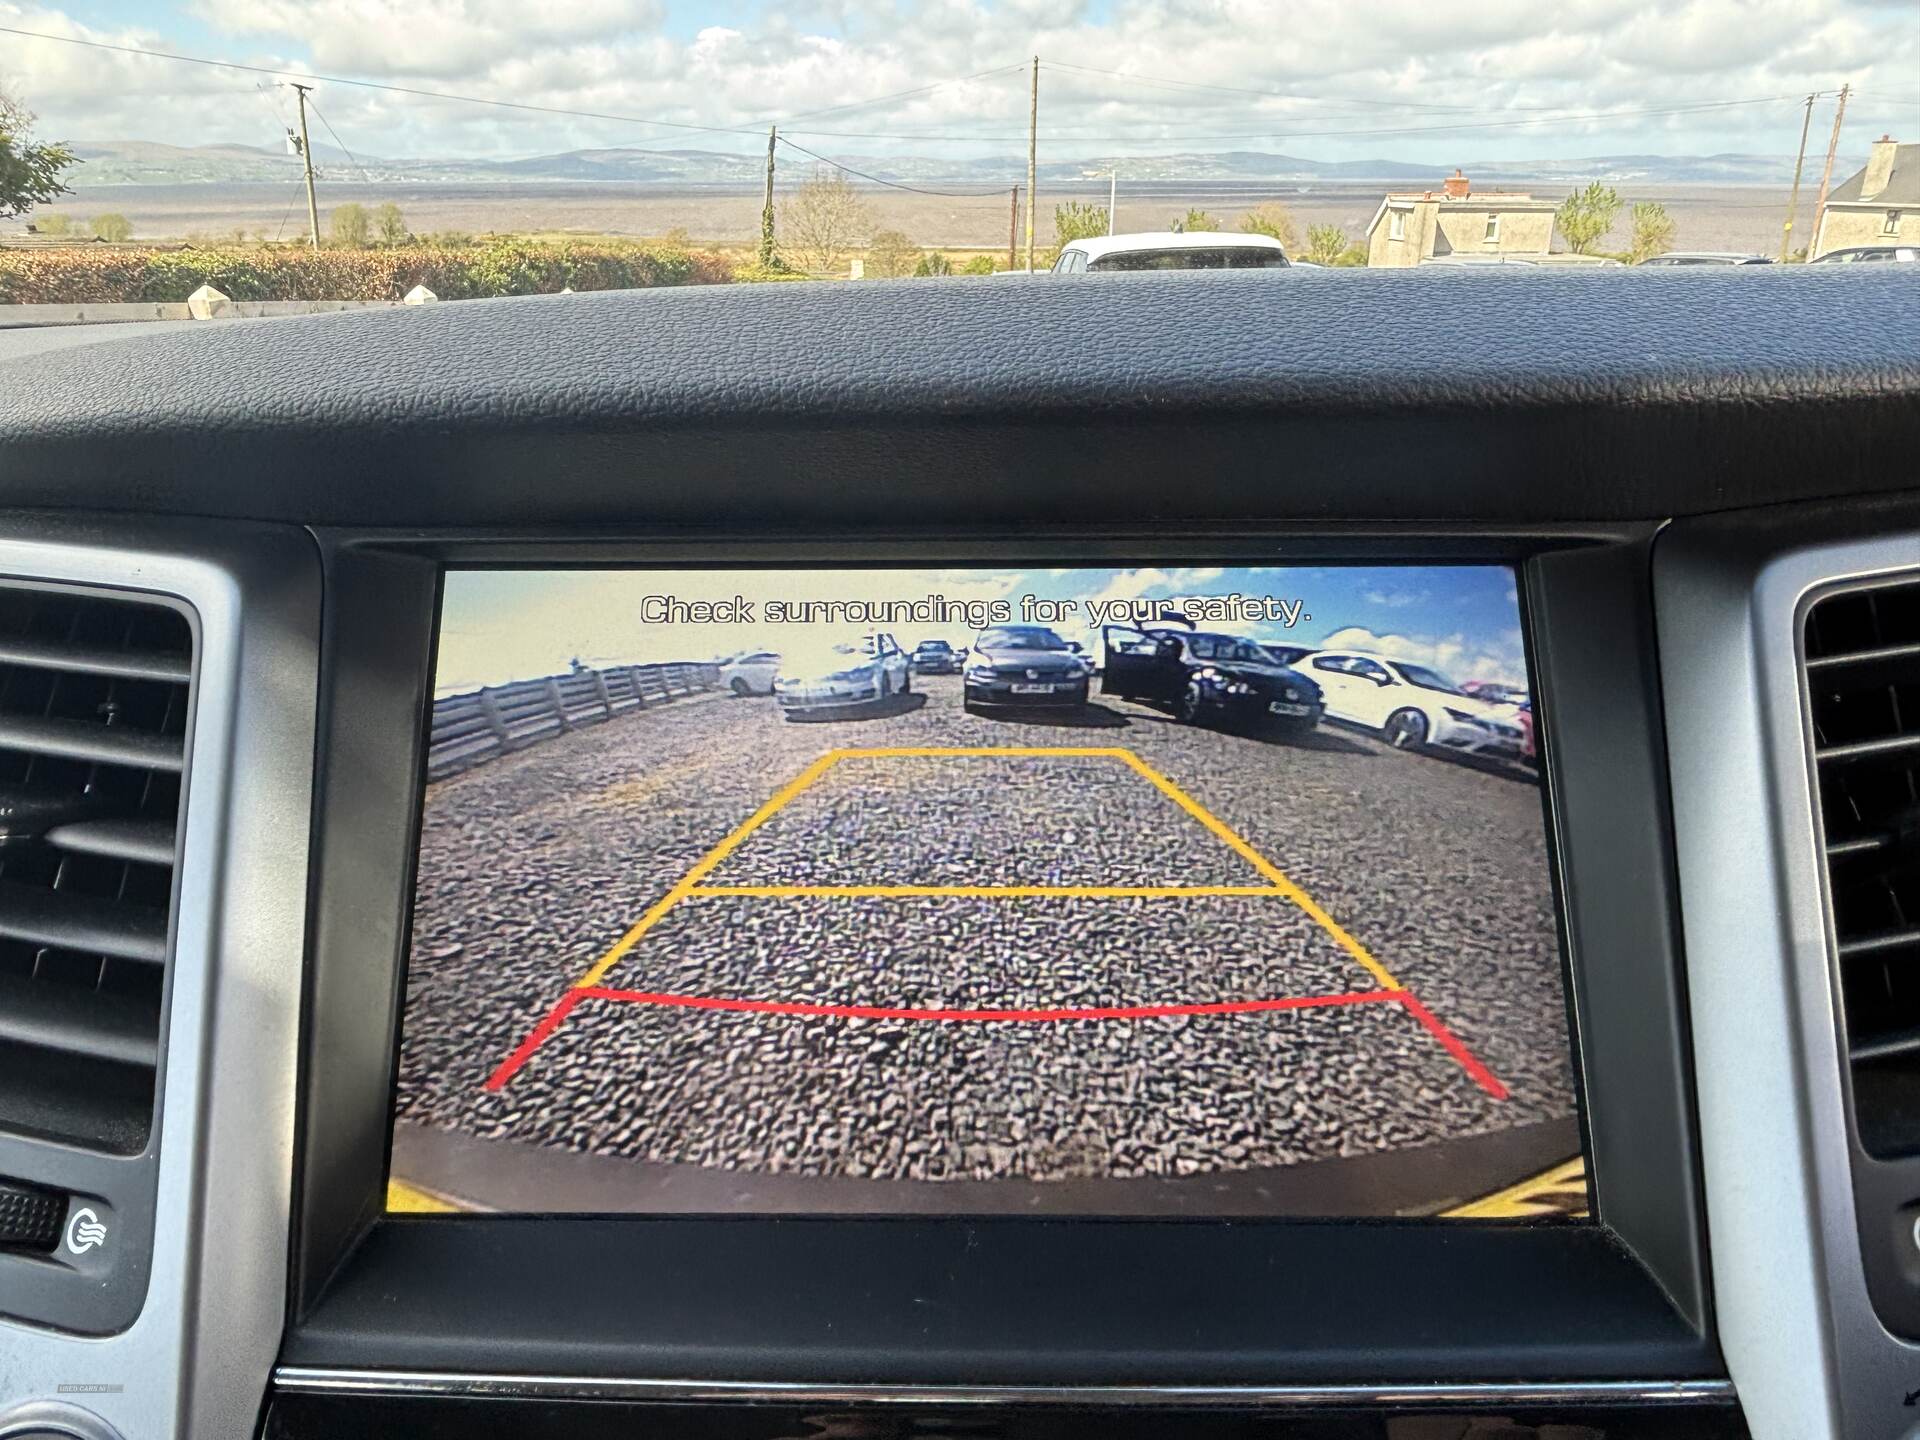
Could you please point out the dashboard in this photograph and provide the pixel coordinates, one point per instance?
(1319, 853)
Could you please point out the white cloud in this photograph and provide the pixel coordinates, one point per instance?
(1335, 67)
(1456, 656)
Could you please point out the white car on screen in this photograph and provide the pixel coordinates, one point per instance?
(841, 674)
(1413, 707)
(751, 674)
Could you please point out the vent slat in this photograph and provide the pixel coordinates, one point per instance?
(79, 1022)
(1863, 845)
(1865, 657)
(1874, 944)
(1866, 749)
(90, 741)
(1887, 1047)
(170, 667)
(150, 842)
(95, 703)
(85, 923)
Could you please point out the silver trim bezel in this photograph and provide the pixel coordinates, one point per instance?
(324, 1380)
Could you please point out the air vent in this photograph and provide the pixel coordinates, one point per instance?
(94, 702)
(1863, 683)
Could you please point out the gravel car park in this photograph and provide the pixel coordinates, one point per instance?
(837, 1002)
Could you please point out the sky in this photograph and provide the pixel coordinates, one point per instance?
(1421, 80)
(498, 626)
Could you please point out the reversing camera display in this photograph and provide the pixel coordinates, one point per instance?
(1162, 890)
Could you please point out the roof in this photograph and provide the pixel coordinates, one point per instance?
(1474, 199)
(1903, 186)
(1710, 257)
(1172, 240)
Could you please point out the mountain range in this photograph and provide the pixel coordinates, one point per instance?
(146, 162)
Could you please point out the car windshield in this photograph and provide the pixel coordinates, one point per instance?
(325, 156)
(1427, 679)
(1184, 258)
(1020, 637)
(1228, 647)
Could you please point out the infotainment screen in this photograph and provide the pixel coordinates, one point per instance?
(1157, 890)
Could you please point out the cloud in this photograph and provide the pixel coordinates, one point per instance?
(1458, 656)
(1335, 80)
(1393, 599)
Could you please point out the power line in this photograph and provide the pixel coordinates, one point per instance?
(342, 144)
(892, 184)
(899, 94)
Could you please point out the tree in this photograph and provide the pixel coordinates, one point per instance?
(52, 222)
(1652, 232)
(1195, 220)
(978, 265)
(1074, 221)
(1586, 215)
(933, 263)
(390, 224)
(29, 172)
(824, 219)
(348, 227)
(890, 254)
(1325, 244)
(1272, 219)
(116, 228)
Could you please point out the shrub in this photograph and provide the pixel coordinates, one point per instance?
(978, 265)
(116, 228)
(295, 272)
(890, 255)
(933, 263)
(349, 228)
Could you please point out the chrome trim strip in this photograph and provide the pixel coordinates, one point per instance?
(324, 1380)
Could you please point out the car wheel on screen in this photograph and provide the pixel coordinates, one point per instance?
(1192, 708)
(740, 687)
(906, 683)
(1406, 730)
(886, 686)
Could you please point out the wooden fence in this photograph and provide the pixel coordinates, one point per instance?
(475, 727)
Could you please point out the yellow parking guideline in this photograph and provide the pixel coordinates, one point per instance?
(703, 866)
(989, 892)
(406, 1199)
(1559, 1191)
(1267, 868)
(689, 883)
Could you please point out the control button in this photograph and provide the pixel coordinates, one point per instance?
(85, 1229)
(30, 1216)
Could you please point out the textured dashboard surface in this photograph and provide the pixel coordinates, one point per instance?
(1285, 395)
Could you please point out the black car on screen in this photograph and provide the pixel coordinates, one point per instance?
(935, 657)
(1208, 679)
(1025, 666)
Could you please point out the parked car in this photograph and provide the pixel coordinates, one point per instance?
(935, 657)
(1288, 655)
(839, 675)
(752, 673)
(1500, 693)
(1868, 254)
(1414, 707)
(1702, 257)
(1024, 665)
(1207, 678)
(1172, 250)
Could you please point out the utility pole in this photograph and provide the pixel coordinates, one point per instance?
(1033, 156)
(306, 156)
(1793, 199)
(1826, 175)
(766, 206)
(1113, 196)
(1013, 229)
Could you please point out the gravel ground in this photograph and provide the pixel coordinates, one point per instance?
(534, 865)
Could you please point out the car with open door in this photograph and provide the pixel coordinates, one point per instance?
(1207, 678)
(1414, 707)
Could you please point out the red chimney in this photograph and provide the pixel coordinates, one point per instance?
(1457, 186)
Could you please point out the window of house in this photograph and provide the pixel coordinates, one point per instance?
(1493, 230)
(1396, 224)
(1890, 223)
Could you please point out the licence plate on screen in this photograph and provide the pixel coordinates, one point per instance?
(1286, 707)
(1033, 689)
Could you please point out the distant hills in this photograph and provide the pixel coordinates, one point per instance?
(146, 162)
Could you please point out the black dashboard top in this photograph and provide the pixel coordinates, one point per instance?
(1290, 395)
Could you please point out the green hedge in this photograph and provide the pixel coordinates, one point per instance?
(88, 276)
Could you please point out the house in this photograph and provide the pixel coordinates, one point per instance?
(1457, 220)
(1878, 204)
